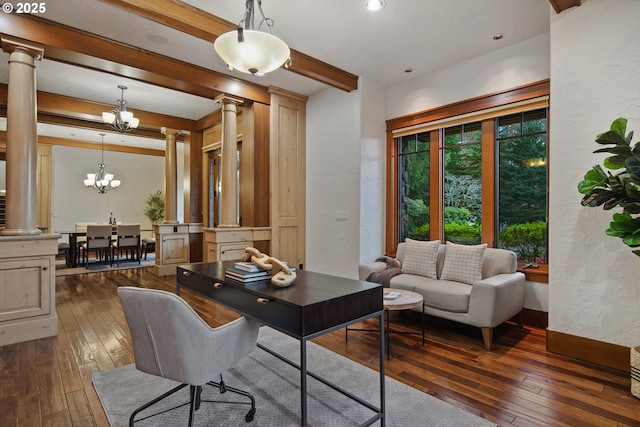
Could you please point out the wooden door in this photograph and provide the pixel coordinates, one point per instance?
(288, 176)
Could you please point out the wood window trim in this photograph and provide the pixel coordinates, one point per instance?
(521, 93)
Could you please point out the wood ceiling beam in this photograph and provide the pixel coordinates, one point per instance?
(560, 5)
(198, 23)
(69, 45)
(68, 111)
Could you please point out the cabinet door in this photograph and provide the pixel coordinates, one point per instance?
(233, 251)
(24, 288)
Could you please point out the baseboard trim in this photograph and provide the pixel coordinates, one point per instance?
(598, 352)
(536, 318)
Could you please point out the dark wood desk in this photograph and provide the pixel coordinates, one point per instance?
(314, 305)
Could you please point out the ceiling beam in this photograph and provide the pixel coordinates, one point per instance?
(560, 5)
(68, 111)
(80, 48)
(199, 23)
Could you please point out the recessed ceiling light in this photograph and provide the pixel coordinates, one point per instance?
(157, 38)
(374, 5)
(498, 36)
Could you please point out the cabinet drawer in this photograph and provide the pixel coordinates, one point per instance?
(272, 312)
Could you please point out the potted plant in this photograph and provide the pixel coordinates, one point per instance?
(154, 207)
(620, 188)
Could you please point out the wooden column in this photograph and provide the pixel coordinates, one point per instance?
(229, 150)
(22, 138)
(171, 177)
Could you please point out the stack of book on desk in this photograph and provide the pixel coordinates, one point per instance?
(246, 272)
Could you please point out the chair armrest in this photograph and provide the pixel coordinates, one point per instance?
(373, 267)
(496, 299)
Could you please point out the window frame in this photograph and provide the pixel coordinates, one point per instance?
(462, 108)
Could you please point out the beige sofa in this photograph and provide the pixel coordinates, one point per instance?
(485, 301)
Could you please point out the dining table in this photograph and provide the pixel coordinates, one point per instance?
(73, 242)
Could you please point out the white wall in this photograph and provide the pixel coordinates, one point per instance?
(72, 202)
(345, 158)
(594, 290)
(372, 171)
(333, 182)
(510, 67)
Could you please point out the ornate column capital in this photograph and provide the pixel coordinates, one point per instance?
(169, 131)
(14, 44)
(226, 99)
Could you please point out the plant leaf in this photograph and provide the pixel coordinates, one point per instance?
(619, 126)
(611, 137)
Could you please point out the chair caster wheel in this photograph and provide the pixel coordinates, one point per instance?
(249, 417)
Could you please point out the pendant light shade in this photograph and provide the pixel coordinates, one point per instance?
(252, 51)
(259, 53)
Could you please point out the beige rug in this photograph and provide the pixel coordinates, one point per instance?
(275, 387)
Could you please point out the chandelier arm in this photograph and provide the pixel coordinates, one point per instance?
(267, 21)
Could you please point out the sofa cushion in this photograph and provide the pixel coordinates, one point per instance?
(420, 258)
(463, 263)
(408, 282)
(445, 295)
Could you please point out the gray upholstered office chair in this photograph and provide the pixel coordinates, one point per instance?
(171, 341)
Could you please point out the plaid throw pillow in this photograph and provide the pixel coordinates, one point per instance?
(420, 258)
(463, 263)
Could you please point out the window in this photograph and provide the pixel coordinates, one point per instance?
(473, 172)
(522, 185)
(462, 160)
(413, 202)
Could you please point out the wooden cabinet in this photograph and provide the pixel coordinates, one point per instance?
(27, 288)
(24, 287)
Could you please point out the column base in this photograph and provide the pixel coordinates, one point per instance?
(19, 232)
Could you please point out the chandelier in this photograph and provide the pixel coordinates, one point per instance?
(101, 181)
(252, 51)
(120, 119)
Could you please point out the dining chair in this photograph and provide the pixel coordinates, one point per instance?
(171, 340)
(82, 228)
(127, 239)
(99, 241)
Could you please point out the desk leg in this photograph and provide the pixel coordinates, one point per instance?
(303, 382)
(382, 394)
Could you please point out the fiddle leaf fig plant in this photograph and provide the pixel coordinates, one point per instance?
(619, 186)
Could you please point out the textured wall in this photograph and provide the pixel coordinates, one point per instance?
(594, 287)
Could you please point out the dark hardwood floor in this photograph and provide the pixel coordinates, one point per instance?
(47, 382)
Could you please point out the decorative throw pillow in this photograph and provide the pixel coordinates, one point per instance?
(463, 263)
(420, 258)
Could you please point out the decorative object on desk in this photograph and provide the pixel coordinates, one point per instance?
(120, 119)
(247, 266)
(281, 274)
(101, 181)
(154, 207)
(258, 258)
(246, 276)
(250, 50)
(619, 190)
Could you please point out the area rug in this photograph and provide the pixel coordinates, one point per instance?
(99, 267)
(275, 387)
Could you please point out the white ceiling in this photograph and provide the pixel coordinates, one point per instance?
(424, 35)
